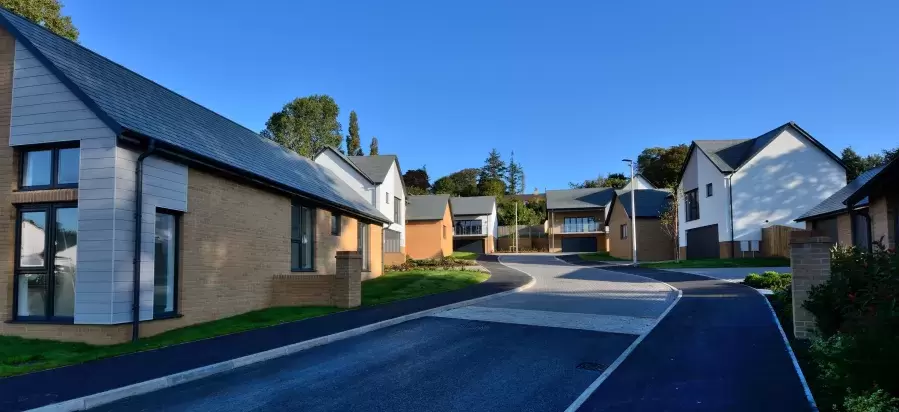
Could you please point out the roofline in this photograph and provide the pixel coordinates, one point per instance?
(346, 160)
(805, 134)
(612, 209)
(116, 128)
(859, 194)
(574, 208)
(683, 168)
(827, 214)
(188, 157)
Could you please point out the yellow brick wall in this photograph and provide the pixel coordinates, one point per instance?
(376, 257)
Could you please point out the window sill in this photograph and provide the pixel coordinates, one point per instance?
(302, 270)
(164, 316)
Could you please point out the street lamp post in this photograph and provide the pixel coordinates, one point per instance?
(633, 211)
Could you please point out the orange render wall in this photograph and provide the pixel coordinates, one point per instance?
(430, 239)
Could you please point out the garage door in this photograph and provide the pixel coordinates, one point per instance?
(702, 242)
(469, 245)
(579, 244)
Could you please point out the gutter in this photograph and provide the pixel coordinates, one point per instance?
(730, 201)
(138, 219)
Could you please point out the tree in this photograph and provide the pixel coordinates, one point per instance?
(661, 165)
(856, 165)
(506, 213)
(445, 186)
(305, 125)
(491, 187)
(373, 147)
(462, 183)
(514, 177)
(417, 180)
(46, 13)
(668, 220)
(353, 144)
(613, 180)
(494, 167)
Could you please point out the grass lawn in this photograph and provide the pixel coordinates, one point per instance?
(465, 255)
(598, 256)
(720, 263)
(18, 355)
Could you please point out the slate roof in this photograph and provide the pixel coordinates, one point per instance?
(649, 202)
(579, 198)
(475, 205)
(428, 207)
(729, 155)
(375, 167)
(835, 204)
(130, 103)
(887, 176)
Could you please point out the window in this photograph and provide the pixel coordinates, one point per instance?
(387, 197)
(335, 224)
(47, 240)
(691, 202)
(580, 225)
(468, 227)
(391, 241)
(301, 240)
(624, 231)
(165, 264)
(362, 244)
(396, 210)
(54, 168)
(708, 190)
(444, 231)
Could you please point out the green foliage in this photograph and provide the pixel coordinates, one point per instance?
(662, 166)
(353, 143)
(769, 280)
(514, 177)
(613, 180)
(373, 147)
(856, 165)
(305, 125)
(874, 401)
(491, 187)
(417, 181)
(494, 168)
(506, 213)
(47, 13)
(395, 286)
(445, 186)
(445, 263)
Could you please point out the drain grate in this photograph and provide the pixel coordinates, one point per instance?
(592, 366)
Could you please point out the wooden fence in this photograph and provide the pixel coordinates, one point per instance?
(525, 244)
(532, 231)
(776, 240)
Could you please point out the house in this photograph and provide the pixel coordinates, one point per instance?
(429, 227)
(653, 244)
(228, 222)
(474, 223)
(734, 188)
(862, 212)
(378, 179)
(577, 218)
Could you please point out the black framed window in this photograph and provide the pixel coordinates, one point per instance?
(387, 198)
(580, 225)
(396, 210)
(49, 168)
(335, 224)
(468, 227)
(45, 262)
(165, 264)
(444, 231)
(708, 190)
(691, 201)
(624, 231)
(362, 245)
(302, 242)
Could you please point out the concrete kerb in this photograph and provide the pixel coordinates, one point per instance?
(102, 398)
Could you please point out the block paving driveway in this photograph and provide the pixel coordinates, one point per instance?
(534, 350)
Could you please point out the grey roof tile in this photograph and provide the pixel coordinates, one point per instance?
(130, 102)
(579, 198)
(475, 205)
(649, 202)
(835, 203)
(375, 167)
(428, 207)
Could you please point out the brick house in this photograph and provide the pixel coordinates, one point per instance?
(576, 219)
(653, 244)
(429, 227)
(862, 212)
(228, 222)
(379, 180)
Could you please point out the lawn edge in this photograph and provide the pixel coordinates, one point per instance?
(140, 388)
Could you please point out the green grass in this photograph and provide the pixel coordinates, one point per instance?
(395, 286)
(599, 256)
(18, 355)
(720, 263)
(465, 255)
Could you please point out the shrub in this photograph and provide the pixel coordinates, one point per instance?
(876, 401)
(445, 263)
(769, 280)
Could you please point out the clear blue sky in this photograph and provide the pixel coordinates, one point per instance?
(571, 87)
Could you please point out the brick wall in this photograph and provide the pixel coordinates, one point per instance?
(301, 289)
(327, 245)
(883, 215)
(810, 264)
(652, 242)
(376, 255)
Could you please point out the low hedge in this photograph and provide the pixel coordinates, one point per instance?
(445, 263)
(769, 280)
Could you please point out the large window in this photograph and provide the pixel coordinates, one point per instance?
(580, 225)
(691, 201)
(396, 210)
(624, 231)
(362, 245)
(52, 168)
(468, 227)
(301, 238)
(46, 240)
(165, 266)
(391, 241)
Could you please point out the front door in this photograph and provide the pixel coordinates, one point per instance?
(363, 247)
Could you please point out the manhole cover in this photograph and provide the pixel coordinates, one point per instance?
(592, 366)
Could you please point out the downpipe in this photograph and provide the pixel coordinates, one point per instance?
(138, 218)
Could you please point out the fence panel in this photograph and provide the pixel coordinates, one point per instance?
(776, 240)
(531, 231)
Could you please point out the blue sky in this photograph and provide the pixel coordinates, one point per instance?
(571, 87)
